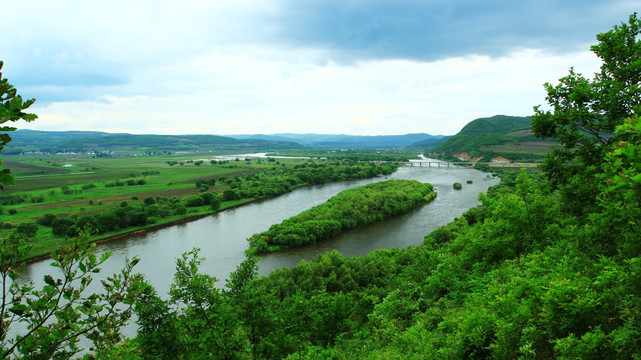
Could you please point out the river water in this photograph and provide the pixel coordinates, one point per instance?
(222, 236)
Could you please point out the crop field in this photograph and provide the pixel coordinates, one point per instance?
(521, 133)
(525, 147)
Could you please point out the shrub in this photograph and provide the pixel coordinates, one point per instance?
(215, 203)
(207, 197)
(179, 208)
(46, 219)
(194, 201)
(37, 199)
(61, 226)
(13, 211)
(229, 195)
(469, 181)
(457, 186)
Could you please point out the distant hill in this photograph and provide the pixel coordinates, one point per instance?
(82, 141)
(349, 141)
(484, 132)
(85, 141)
(497, 135)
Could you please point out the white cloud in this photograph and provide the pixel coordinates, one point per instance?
(273, 66)
(246, 91)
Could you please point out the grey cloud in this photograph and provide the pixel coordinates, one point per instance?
(432, 30)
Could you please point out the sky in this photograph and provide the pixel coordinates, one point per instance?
(360, 67)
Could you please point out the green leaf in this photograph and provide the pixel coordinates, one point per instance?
(18, 309)
(49, 280)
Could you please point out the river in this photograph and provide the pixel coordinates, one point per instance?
(222, 236)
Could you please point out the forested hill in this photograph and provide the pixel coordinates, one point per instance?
(81, 141)
(485, 132)
(349, 141)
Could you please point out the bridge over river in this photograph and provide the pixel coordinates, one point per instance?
(428, 163)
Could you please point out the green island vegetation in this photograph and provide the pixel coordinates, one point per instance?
(349, 209)
(548, 266)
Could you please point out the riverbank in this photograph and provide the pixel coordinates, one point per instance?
(146, 229)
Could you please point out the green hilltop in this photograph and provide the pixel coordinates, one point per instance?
(509, 136)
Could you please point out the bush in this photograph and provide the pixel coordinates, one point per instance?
(13, 211)
(62, 226)
(179, 209)
(207, 197)
(215, 203)
(194, 201)
(457, 186)
(46, 219)
(37, 199)
(229, 195)
(469, 181)
(88, 186)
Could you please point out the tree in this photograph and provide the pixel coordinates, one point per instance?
(52, 320)
(11, 109)
(204, 324)
(586, 112)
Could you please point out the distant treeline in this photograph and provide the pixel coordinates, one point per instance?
(349, 209)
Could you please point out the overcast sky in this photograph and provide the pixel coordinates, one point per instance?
(314, 66)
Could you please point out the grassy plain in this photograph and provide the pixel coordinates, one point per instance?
(78, 185)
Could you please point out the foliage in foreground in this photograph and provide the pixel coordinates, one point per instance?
(12, 108)
(49, 322)
(351, 208)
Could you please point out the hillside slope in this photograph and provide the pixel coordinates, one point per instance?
(508, 136)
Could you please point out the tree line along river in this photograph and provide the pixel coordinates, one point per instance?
(222, 236)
